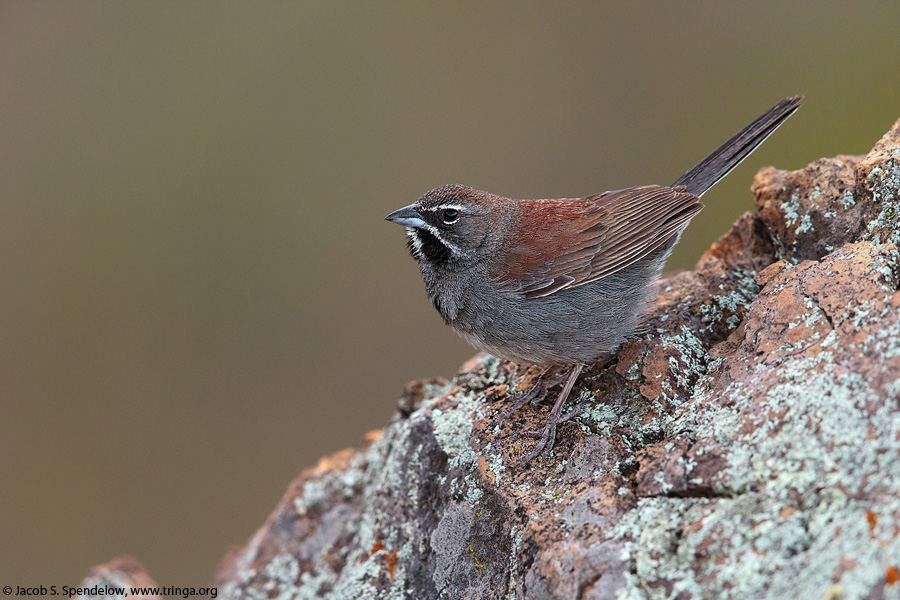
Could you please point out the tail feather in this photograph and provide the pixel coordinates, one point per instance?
(726, 157)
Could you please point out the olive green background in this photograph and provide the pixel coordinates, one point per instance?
(198, 295)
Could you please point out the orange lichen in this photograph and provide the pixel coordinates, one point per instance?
(892, 575)
(872, 519)
(389, 557)
(337, 461)
(372, 436)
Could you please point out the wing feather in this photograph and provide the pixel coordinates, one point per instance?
(576, 241)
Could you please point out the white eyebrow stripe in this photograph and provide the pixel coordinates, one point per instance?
(458, 207)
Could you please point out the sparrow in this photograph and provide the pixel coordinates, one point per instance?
(559, 283)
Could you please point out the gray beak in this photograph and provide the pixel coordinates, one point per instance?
(406, 216)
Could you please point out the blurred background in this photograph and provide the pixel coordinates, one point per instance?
(198, 295)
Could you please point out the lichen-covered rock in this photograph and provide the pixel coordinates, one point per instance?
(811, 212)
(746, 446)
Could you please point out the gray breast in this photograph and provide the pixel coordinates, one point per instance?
(574, 325)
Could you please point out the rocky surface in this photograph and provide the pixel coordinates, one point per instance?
(122, 577)
(747, 447)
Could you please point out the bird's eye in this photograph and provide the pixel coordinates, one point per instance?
(450, 215)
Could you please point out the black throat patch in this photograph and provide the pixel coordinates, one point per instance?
(431, 247)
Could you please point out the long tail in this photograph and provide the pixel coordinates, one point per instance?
(727, 156)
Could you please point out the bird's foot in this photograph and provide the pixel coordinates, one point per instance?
(547, 434)
(546, 380)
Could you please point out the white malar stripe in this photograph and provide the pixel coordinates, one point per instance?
(414, 239)
(454, 249)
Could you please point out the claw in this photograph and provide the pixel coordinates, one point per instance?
(548, 434)
(537, 393)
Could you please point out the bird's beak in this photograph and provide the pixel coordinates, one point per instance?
(406, 216)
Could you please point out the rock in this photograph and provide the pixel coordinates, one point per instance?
(123, 578)
(748, 446)
(833, 201)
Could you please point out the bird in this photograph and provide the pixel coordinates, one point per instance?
(559, 283)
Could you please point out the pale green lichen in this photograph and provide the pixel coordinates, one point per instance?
(884, 184)
(793, 501)
(733, 303)
(603, 417)
(805, 224)
(847, 199)
(283, 573)
(791, 208)
(692, 357)
(314, 493)
(495, 464)
(516, 534)
(453, 428)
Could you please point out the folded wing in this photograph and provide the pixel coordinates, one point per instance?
(578, 241)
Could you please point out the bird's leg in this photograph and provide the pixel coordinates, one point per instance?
(538, 391)
(548, 434)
